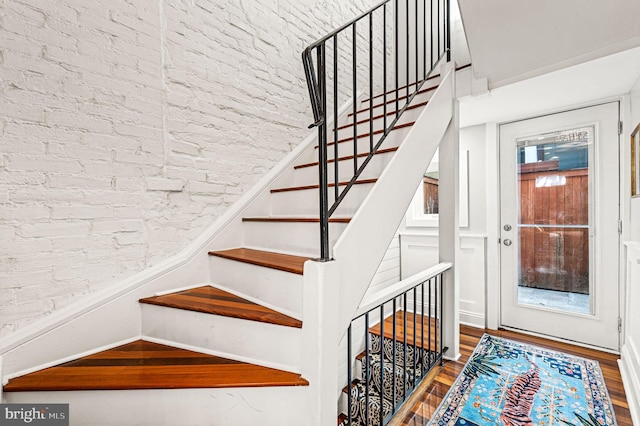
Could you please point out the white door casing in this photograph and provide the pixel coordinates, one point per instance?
(599, 326)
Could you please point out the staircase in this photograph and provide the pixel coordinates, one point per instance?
(241, 331)
(242, 328)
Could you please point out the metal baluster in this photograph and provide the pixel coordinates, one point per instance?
(416, 37)
(424, 40)
(381, 364)
(394, 352)
(397, 64)
(407, 47)
(439, 51)
(349, 376)
(438, 343)
(335, 118)
(384, 68)
(371, 83)
(424, 367)
(431, 29)
(429, 307)
(415, 337)
(367, 366)
(448, 24)
(355, 100)
(404, 332)
(322, 156)
(440, 276)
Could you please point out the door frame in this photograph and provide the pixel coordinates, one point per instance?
(492, 306)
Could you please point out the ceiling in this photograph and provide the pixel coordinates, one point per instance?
(547, 55)
(585, 83)
(510, 41)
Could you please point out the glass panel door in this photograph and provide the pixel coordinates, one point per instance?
(559, 210)
(554, 193)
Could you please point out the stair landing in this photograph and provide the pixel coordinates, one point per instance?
(147, 365)
(420, 339)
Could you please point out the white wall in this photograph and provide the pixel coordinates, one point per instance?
(388, 273)
(630, 362)
(419, 245)
(634, 203)
(127, 127)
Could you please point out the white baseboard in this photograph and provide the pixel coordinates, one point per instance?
(629, 364)
(472, 319)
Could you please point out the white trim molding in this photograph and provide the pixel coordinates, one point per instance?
(629, 362)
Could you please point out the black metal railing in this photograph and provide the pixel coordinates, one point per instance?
(382, 51)
(396, 353)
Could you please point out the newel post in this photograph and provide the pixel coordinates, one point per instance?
(320, 341)
(449, 238)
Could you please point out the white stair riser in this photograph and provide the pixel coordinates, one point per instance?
(277, 289)
(376, 165)
(391, 95)
(378, 105)
(303, 238)
(305, 202)
(283, 406)
(378, 123)
(235, 338)
(394, 138)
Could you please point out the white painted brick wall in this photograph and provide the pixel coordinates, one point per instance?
(127, 127)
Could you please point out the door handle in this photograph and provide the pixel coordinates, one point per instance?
(507, 242)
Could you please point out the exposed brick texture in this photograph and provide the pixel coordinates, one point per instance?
(127, 127)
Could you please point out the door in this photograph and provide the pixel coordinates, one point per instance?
(559, 225)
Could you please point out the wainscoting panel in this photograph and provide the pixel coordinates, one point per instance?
(420, 251)
(630, 352)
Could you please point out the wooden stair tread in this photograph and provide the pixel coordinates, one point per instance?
(400, 330)
(147, 365)
(283, 262)
(298, 188)
(348, 157)
(294, 219)
(212, 300)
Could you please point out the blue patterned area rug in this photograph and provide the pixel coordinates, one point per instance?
(511, 383)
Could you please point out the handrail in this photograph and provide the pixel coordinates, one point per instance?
(395, 290)
(418, 47)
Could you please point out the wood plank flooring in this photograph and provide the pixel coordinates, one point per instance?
(428, 398)
(146, 365)
(283, 262)
(211, 300)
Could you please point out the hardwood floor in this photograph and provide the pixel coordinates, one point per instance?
(427, 400)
